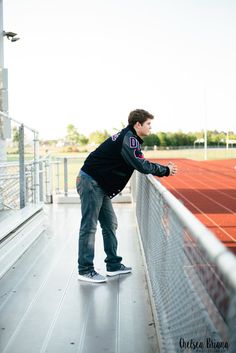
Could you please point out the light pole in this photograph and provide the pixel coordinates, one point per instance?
(205, 142)
(2, 144)
(5, 123)
(205, 123)
(1, 34)
(3, 90)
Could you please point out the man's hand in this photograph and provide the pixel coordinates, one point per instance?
(173, 168)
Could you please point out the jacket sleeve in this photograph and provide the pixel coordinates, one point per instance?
(133, 156)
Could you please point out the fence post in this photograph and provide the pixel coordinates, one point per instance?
(48, 181)
(65, 176)
(36, 168)
(2, 159)
(41, 181)
(22, 166)
(232, 323)
(57, 176)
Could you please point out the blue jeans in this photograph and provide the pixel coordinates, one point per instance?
(96, 206)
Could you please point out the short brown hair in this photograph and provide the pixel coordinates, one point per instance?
(139, 115)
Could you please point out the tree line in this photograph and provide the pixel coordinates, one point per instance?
(159, 139)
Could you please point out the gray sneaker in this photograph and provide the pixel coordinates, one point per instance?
(122, 271)
(92, 277)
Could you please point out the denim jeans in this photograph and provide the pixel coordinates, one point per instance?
(96, 206)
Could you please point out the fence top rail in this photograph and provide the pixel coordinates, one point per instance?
(18, 122)
(14, 164)
(68, 157)
(28, 162)
(214, 249)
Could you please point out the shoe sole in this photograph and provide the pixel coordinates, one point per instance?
(84, 279)
(116, 273)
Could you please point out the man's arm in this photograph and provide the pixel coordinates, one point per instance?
(133, 156)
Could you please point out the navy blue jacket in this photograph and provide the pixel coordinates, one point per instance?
(114, 161)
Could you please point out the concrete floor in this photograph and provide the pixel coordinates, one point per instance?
(44, 308)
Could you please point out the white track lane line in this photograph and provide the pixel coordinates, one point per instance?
(203, 214)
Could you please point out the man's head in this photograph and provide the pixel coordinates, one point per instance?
(140, 120)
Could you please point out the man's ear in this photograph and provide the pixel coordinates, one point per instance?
(138, 124)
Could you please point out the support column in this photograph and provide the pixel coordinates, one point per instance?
(22, 167)
(2, 141)
(36, 169)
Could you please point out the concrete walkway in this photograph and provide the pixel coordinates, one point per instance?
(44, 308)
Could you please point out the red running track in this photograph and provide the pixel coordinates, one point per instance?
(208, 190)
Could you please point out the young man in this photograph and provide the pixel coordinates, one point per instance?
(104, 174)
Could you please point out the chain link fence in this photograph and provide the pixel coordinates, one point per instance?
(192, 276)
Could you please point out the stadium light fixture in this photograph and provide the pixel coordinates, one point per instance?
(11, 36)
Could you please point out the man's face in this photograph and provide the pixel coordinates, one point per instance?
(144, 129)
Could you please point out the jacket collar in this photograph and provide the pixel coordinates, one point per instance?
(135, 133)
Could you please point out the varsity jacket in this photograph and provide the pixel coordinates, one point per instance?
(114, 161)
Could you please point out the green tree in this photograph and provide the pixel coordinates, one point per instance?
(72, 134)
(151, 140)
(98, 136)
(163, 138)
(82, 140)
(182, 139)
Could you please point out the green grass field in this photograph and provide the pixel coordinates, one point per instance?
(196, 154)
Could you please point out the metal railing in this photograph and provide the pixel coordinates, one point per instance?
(37, 180)
(192, 275)
(12, 195)
(64, 173)
(24, 181)
(65, 170)
(10, 184)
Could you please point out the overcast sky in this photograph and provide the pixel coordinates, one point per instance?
(91, 62)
